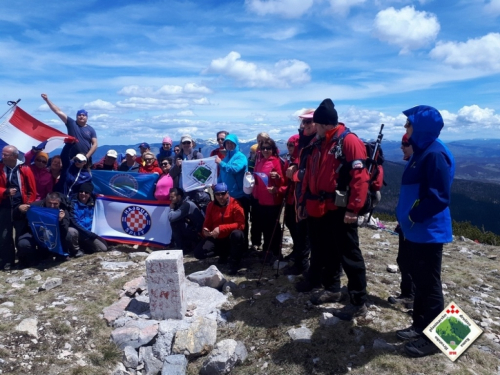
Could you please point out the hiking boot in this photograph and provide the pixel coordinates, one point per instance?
(305, 286)
(420, 348)
(350, 312)
(79, 254)
(407, 334)
(5, 266)
(400, 299)
(325, 296)
(233, 268)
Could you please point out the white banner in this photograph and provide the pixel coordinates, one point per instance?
(198, 173)
(132, 221)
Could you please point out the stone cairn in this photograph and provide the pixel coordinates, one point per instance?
(163, 320)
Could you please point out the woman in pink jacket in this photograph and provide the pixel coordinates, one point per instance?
(268, 179)
(165, 182)
(43, 178)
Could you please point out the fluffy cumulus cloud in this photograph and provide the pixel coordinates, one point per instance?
(284, 8)
(189, 89)
(343, 7)
(284, 73)
(493, 7)
(482, 117)
(406, 28)
(483, 53)
(99, 105)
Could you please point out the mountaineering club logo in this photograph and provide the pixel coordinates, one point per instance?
(453, 331)
(201, 173)
(124, 185)
(46, 234)
(136, 221)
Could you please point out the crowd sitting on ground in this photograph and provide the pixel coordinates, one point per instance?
(321, 183)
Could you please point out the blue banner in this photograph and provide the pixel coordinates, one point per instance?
(44, 224)
(125, 184)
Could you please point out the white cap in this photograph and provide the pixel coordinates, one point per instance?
(131, 152)
(186, 137)
(81, 157)
(112, 154)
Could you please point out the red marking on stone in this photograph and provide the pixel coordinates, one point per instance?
(164, 295)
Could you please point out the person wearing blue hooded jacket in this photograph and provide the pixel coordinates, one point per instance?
(232, 170)
(424, 216)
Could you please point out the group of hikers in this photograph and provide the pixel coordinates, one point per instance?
(321, 184)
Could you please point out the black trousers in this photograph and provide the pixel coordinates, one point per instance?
(185, 237)
(256, 230)
(245, 204)
(232, 246)
(7, 241)
(426, 275)
(335, 245)
(298, 231)
(404, 264)
(268, 217)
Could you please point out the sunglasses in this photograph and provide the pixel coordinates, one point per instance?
(306, 122)
(220, 194)
(186, 143)
(405, 144)
(164, 164)
(221, 139)
(266, 148)
(41, 161)
(149, 159)
(84, 192)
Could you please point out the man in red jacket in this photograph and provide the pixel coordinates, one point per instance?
(223, 230)
(332, 212)
(17, 186)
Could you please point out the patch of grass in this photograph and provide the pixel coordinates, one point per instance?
(106, 354)
(474, 233)
(61, 327)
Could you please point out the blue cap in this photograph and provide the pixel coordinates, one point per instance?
(144, 145)
(82, 111)
(221, 187)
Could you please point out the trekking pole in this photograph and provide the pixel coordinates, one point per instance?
(272, 237)
(376, 151)
(12, 105)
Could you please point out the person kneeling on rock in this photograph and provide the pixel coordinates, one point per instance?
(223, 230)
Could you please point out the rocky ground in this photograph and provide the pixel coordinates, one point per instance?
(52, 322)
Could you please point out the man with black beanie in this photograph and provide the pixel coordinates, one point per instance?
(332, 215)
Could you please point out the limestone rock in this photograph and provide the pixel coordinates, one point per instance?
(120, 370)
(167, 329)
(211, 277)
(392, 268)
(138, 305)
(328, 319)
(198, 339)
(135, 333)
(225, 356)
(29, 326)
(111, 313)
(174, 365)
(116, 266)
(50, 283)
(130, 357)
(283, 297)
(138, 284)
(302, 334)
(151, 364)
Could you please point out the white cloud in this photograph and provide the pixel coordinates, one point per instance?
(99, 105)
(187, 113)
(481, 52)
(493, 7)
(152, 103)
(283, 74)
(343, 7)
(406, 28)
(477, 115)
(284, 8)
(189, 89)
(283, 34)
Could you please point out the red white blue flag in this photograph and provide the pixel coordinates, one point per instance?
(24, 131)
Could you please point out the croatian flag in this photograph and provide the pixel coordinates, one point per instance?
(132, 221)
(24, 131)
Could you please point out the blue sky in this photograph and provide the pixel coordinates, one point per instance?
(146, 69)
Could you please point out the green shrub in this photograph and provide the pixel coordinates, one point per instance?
(466, 229)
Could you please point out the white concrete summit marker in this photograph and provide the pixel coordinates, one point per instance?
(166, 284)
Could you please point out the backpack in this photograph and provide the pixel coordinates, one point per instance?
(374, 167)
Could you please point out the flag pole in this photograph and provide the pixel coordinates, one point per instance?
(12, 105)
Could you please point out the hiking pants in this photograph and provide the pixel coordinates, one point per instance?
(335, 245)
(256, 229)
(298, 231)
(268, 217)
(426, 275)
(245, 204)
(232, 246)
(404, 264)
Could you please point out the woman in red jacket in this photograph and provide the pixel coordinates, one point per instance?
(268, 180)
(150, 164)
